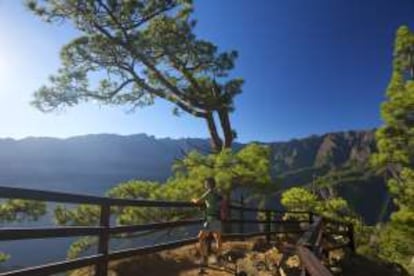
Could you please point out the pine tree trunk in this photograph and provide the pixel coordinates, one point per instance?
(216, 142)
(226, 127)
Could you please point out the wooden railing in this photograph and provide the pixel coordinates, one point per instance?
(307, 246)
(310, 247)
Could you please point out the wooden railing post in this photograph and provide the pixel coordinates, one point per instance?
(225, 215)
(268, 227)
(317, 245)
(241, 214)
(351, 237)
(102, 266)
(310, 217)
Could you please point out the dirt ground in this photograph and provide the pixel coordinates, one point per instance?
(183, 261)
(180, 262)
(242, 256)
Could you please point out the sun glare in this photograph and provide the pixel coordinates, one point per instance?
(8, 65)
(5, 61)
(5, 72)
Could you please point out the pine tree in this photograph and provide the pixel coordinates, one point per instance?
(395, 142)
(140, 50)
(12, 210)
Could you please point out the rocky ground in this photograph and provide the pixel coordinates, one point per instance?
(252, 257)
(244, 258)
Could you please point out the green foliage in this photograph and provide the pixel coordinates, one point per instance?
(396, 245)
(333, 207)
(404, 51)
(395, 139)
(3, 257)
(395, 157)
(299, 199)
(150, 191)
(19, 210)
(389, 243)
(367, 240)
(82, 215)
(81, 245)
(248, 168)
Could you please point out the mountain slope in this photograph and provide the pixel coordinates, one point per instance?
(93, 163)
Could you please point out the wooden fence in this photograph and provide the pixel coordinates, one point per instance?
(308, 247)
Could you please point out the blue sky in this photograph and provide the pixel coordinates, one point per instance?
(311, 66)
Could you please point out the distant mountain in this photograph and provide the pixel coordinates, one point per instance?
(300, 160)
(90, 159)
(331, 150)
(344, 156)
(93, 163)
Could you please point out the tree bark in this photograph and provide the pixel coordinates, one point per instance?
(216, 141)
(226, 127)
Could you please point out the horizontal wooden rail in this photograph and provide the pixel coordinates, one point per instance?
(153, 226)
(252, 209)
(255, 221)
(52, 232)
(149, 203)
(311, 263)
(21, 193)
(310, 234)
(238, 236)
(310, 247)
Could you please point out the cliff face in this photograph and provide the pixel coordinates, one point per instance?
(345, 157)
(331, 150)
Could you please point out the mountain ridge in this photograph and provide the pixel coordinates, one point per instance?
(189, 137)
(312, 151)
(94, 163)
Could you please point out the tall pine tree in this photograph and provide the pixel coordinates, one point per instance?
(132, 52)
(395, 142)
